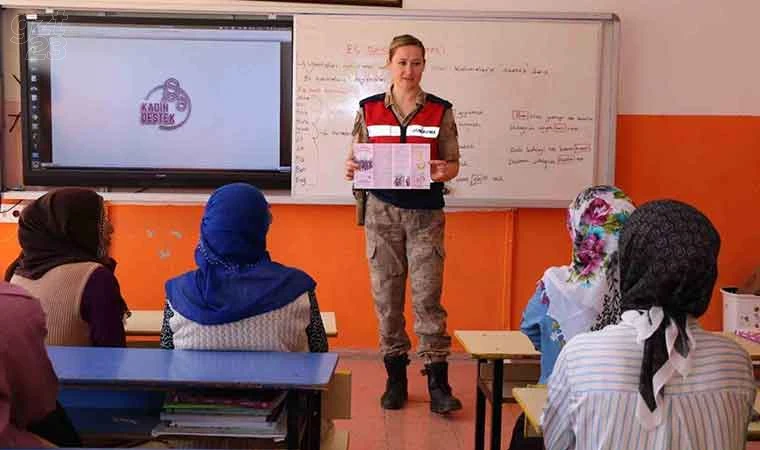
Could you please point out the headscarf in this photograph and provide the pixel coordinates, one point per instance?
(235, 278)
(28, 385)
(668, 267)
(585, 295)
(61, 227)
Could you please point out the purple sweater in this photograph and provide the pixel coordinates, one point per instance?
(101, 309)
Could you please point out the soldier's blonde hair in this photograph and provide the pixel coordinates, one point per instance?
(402, 41)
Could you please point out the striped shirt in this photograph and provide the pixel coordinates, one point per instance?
(593, 393)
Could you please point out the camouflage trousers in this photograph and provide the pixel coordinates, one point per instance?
(401, 241)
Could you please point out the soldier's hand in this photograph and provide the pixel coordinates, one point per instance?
(351, 166)
(438, 170)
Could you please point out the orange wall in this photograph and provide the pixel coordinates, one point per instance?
(154, 243)
(712, 162)
(494, 257)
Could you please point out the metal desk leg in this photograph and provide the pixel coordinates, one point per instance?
(496, 398)
(315, 419)
(480, 410)
(292, 438)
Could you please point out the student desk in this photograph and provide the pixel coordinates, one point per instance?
(331, 326)
(148, 323)
(494, 346)
(753, 348)
(753, 433)
(304, 375)
(533, 399)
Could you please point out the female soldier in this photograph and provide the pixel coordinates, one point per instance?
(404, 228)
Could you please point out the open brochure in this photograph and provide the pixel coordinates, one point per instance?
(392, 166)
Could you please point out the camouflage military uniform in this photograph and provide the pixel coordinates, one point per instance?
(408, 241)
(400, 241)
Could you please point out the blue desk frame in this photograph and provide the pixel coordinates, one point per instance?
(304, 375)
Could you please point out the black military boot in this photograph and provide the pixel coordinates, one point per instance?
(395, 394)
(441, 400)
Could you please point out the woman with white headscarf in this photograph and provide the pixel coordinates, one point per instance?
(583, 295)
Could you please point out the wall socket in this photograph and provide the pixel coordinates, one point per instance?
(10, 213)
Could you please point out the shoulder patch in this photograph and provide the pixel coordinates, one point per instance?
(373, 98)
(436, 99)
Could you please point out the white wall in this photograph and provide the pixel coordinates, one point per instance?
(695, 57)
(677, 57)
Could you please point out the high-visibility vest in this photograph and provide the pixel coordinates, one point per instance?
(384, 128)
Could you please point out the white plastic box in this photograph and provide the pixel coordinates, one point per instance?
(740, 311)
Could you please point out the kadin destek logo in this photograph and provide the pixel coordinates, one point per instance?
(166, 105)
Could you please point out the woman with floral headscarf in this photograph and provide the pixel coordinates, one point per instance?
(64, 262)
(238, 298)
(584, 295)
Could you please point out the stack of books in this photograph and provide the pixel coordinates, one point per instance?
(254, 414)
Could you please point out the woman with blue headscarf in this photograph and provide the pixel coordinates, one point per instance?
(238, 298)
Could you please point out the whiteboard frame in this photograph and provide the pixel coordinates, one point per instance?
(604, 171)
(606, 124)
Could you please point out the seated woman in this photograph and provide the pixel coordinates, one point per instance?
(64, 237)
(238, 298)
(29, 416)
(584, 295)
(656, 380)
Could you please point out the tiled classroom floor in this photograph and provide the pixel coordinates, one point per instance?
(415, 427)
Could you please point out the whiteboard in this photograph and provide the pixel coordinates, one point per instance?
(534, 101)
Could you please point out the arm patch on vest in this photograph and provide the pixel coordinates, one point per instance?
(435, 99)
(372, 98)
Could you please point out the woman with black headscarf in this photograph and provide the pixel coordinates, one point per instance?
(64, 237)
(657, 380)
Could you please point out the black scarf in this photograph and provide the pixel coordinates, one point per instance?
(668, 258)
